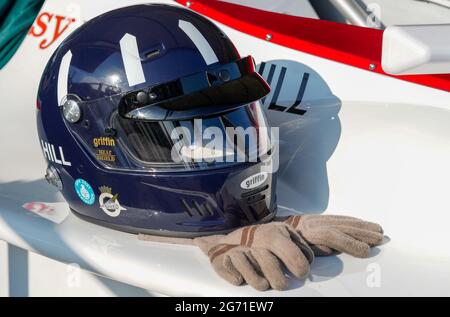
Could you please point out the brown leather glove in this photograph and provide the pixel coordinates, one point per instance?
(253, 254)
(327, 234)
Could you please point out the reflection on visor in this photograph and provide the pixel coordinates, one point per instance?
(199, 143)
(198, 153)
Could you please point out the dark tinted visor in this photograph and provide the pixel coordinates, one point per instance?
(238, 136)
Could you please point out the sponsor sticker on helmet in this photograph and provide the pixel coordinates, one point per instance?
(254, 180)
(105, 156)
(103, 141)
(109, 202)
(84, 191)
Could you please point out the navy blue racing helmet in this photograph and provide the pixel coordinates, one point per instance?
(140, 118)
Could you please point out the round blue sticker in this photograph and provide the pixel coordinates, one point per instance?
(84, 191)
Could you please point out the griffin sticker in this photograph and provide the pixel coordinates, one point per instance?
(103, 141)
(109, 203)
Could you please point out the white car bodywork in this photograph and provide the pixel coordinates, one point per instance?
(416, 49)
(370, 146)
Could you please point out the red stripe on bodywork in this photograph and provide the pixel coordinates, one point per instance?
(352, 45)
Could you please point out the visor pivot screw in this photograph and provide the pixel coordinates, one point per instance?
(188, 4)
(52, 177)
(224, 75)
(141, 97)
(71, 111)
(86, 124)
(372, 66)
(111, 132)
(268, 37)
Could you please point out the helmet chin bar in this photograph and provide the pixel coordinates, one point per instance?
(220, 89)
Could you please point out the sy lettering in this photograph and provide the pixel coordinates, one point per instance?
(43, 24)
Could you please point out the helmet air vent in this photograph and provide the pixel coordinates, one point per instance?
(195, 209)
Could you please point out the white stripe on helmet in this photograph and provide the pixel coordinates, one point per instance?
(131, 60)
(63, 76)
(199, 41)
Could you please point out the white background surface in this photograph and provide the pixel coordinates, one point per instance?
(376, 148)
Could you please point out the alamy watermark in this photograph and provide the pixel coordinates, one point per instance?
(373, 279)
(73, 279)
(374, 15)
(232, 144)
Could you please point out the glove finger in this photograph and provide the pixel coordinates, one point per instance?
(341, 242)
(366, 236)
(226, 270)
(243, 265)
(301, 243)
(271, 268)
(332, 220)
(321, 250)
(292, 257)
(253, 261)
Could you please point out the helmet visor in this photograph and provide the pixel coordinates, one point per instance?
(237, 136)
(234, 137)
